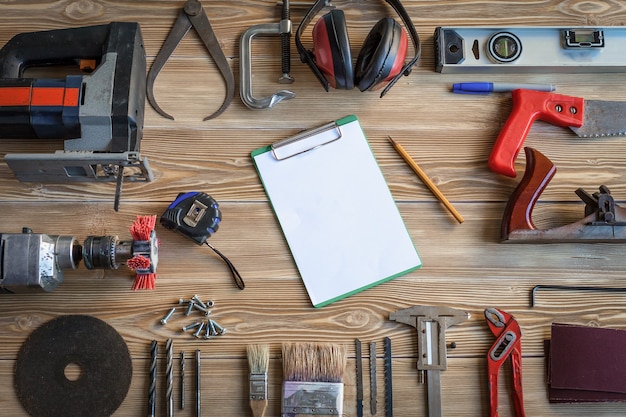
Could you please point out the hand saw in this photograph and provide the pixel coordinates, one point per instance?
(586, 118)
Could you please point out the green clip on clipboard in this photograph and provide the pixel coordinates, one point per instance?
(338, 216)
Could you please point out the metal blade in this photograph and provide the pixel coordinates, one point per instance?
(603, 118)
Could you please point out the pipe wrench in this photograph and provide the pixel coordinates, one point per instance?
(508, 344)
(586, 118)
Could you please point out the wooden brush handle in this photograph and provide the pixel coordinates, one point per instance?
(258, 407)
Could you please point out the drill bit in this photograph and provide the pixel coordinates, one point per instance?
(153, 373)
(182, 380)
(169, 377)
(198, 398)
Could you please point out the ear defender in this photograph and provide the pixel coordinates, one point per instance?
(380, 62)
(382, 55)
(331, 48)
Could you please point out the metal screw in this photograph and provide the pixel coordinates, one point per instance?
(208, 334)
(197, 333)
(191, 326)
(199, 301)
(220, 329)
(182, 301)
(206, 311)
(168, 315)
(212, 330)
(189, 307)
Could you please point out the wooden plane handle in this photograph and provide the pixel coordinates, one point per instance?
(518, 212)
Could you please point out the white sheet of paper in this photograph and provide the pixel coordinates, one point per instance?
(338, 216)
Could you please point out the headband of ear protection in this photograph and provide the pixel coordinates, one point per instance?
(380, 59)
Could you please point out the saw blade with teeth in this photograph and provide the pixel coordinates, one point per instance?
(602, 118)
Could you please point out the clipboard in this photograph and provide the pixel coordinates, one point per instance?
(336, 211)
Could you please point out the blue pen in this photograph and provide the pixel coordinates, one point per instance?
(486, 88)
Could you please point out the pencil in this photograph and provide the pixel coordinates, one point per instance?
(422, 175)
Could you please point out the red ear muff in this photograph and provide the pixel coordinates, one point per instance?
(381, 59)
(331, 48)
(382, 55)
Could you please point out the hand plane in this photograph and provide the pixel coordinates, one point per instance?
(586, 118)
(431, 324)
(604, 221)
(98, 113)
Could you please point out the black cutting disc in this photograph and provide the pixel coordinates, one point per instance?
(100, 369)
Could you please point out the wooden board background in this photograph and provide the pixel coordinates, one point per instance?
(450, 136)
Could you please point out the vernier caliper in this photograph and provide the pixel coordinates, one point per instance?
(431, 324)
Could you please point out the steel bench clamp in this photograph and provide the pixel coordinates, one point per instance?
(282, 29)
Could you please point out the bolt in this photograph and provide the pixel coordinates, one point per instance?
(168, 315)
(198, 300)
(191, 326)
(212, 330)
(206, 311)
(208, 333)
(189, 307)
(197, 333)
(181, 301)
(220, 329)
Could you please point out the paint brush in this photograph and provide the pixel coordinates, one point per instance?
(313, 384)
(258, 360)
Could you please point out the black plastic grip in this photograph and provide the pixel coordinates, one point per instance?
(51, 47)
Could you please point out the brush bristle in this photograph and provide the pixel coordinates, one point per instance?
(142, 227)
(314, 362)
(258, 358)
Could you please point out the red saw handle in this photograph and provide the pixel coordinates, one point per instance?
(528, 106)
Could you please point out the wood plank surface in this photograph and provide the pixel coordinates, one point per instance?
(450, 136)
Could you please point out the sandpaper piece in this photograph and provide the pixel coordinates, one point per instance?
(556, 395)
(586, 364)
(99, 352)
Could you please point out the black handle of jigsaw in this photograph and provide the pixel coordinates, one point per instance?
(49, 108)
(52, 47)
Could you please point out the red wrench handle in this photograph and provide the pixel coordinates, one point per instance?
(528, 106)
(518, 397)
(493, 369)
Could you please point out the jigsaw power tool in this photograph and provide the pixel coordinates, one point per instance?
(98, 112)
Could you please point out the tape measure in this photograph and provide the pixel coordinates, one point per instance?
(197, 216)
(194, 214)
